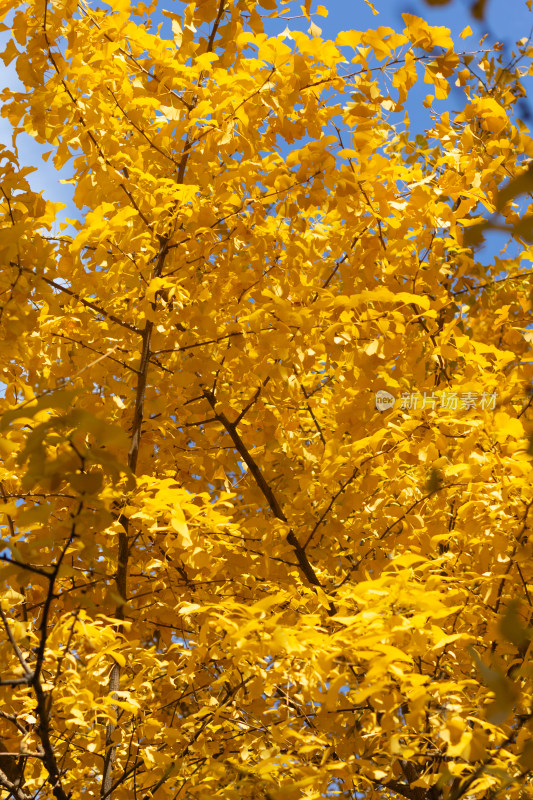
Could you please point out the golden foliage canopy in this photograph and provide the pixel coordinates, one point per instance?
(225, 572)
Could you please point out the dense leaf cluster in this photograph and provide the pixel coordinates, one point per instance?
(225, 572)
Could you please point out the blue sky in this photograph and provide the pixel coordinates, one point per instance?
(506, 21)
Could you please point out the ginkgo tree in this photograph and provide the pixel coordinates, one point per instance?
(265, 425)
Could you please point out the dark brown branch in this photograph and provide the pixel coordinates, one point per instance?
(123, 52)
(247, 458)
(94, 350)
(209, 341)
(334, 270)
(140, 130)
(121, 577)
(401, 788)
(27, 567)
(13, 788)
(311, 412)
(301, 556)
(86, 303)
(492, 283)
(211, 41)
(28, 672)
(331, 504)
(87, 129)
(252, 401)
(42, 700)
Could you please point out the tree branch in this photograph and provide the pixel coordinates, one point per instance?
(301, 556)
(84, 302)
(13, 787)
(121, 577)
